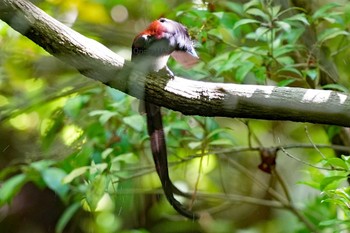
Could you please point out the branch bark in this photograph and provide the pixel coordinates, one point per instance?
(189, 97)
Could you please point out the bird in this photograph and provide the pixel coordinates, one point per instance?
(151, 50)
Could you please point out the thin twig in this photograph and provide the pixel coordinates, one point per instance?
(312, 143)
(283, 184)
(309, 164)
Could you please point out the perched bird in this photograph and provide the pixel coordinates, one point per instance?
(151, 50)
(163, 38)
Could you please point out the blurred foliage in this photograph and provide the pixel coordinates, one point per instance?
(87, 143)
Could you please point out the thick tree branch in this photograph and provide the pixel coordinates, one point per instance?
(189, 97)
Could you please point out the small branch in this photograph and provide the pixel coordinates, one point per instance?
(309, 164)
(312, 143)
(187, 96)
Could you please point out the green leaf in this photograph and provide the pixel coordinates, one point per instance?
(227, 19)
(251, 3)
(260, 32)
(216, 132)
(285, 82)
(331, 182)
(95, 192)
(343, 192)
(243, 70)
(42, 164)
(290, 69)
(336, 87)
(285, 60)
(227, 36)
(312, 73)
(221, 142)
(284, 26)
(11, 187)
(66, 217)
(283, 50)
(136, 122)
(74, 174)
(228, 63)
(258, 12)
(179, 125)
(98, 168)
(274, 11)
(330, 34)
(346, 158)
(337, 163)
(333, 223)
(53, 178)
(233, 7)
(105, 115)
(129, 158)
(74, 105)
(245, 21)
(194, 145)
(323, 11)
(298, 17)
(7, 171)
(106, 152)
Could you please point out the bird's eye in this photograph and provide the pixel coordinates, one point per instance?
(162, 20)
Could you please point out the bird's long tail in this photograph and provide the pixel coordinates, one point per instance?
(159, 152)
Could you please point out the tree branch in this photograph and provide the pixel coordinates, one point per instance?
(189, 97)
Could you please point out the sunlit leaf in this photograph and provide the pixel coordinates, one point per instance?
(74, 174)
